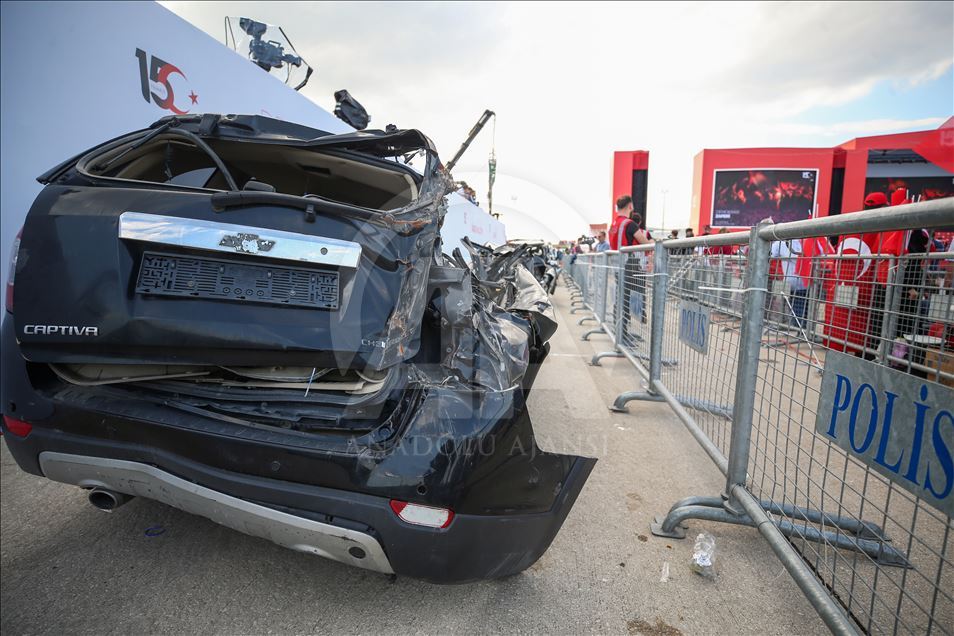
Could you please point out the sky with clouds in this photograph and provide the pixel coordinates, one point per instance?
(571, 83)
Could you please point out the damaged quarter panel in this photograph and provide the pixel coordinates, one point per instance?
(474, 452)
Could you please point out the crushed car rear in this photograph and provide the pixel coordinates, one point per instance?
(254, 321)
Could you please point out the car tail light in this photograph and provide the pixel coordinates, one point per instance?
(422, 515)
(8, 303)
(17, 427)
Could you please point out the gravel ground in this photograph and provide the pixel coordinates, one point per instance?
(67, 567)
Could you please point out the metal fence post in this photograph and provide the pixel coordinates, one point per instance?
(620, 282)
(660, 283)
(582, 281)
(721, 283)
(660, 277)
(578, 294)
(600, 282)
(892, 303)
(599, 297)
(816, 297)
(605, 258)
(756, 283)
(617, 328)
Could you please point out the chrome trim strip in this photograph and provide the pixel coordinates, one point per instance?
(238, 239)
(142, 480)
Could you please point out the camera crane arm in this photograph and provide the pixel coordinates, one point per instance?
(470, 137)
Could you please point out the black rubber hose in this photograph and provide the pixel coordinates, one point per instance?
(208, 150)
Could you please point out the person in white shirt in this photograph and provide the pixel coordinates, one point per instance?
(786, 253)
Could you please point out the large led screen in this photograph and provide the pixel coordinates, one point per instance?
(919, 188)
(741, 198)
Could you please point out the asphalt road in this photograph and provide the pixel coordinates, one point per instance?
(68, 568)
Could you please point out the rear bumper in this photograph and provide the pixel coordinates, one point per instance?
(302, 516)
(141, 480)
(472, 452)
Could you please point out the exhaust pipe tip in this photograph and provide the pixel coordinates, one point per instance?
(107, 500)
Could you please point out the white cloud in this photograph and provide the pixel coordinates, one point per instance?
(929, 74)
(571, 83)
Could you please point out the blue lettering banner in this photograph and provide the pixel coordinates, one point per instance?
(899, 424)
(694, 325)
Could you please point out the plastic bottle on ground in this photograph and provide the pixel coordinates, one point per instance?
(703, 554)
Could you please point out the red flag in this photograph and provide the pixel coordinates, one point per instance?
(891, 243)
(813, 249)
(848, 295)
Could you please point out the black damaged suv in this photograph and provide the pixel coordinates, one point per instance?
(253, 321)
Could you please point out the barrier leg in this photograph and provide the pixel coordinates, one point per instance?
(591, 332)
(595, 362)
(673, 526)
(619, 404)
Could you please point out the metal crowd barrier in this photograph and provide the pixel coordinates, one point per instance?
(575, 278)
(820, 384)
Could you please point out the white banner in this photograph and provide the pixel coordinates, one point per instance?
(75, 74)
(466, 219)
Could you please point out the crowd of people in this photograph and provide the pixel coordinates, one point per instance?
(867, 270)
(854, 291)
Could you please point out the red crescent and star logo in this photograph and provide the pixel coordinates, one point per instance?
(153, 70)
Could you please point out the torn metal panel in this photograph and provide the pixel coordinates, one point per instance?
(497, 322)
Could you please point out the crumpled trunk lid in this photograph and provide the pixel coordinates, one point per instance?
(119, 271)
(84, 292)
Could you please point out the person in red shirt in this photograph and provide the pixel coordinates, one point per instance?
(625, 231)
(624, 207)
(724, 250)
(883, 246)
(848, 293)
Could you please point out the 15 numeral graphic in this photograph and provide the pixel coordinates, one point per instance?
(158, 71)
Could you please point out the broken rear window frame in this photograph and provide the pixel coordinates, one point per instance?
(432, 185)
